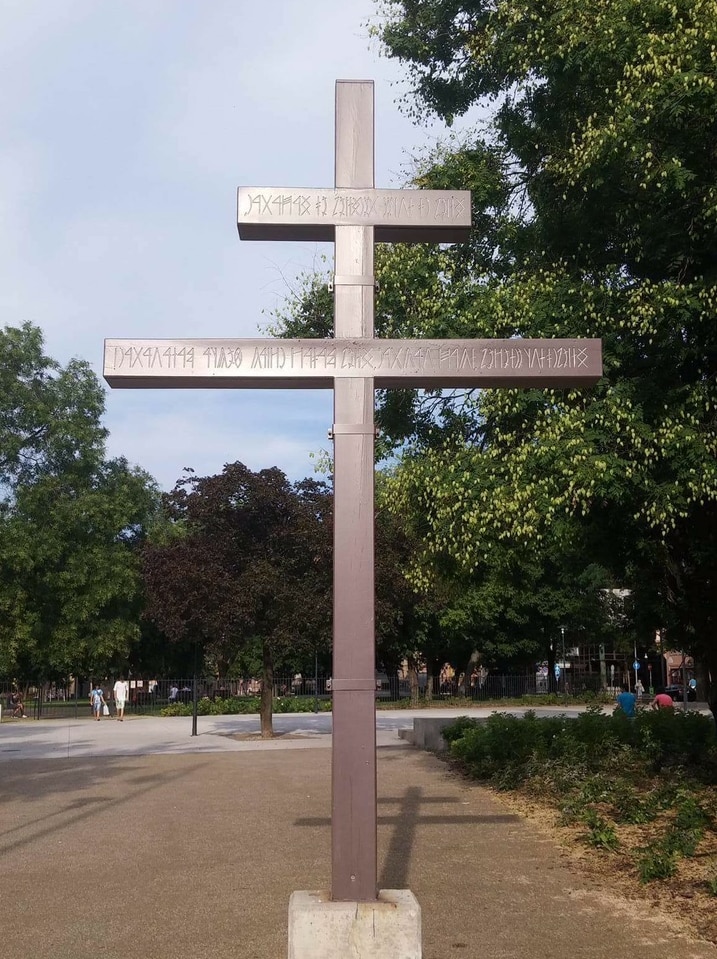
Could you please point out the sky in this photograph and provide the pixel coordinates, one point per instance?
(127, 126)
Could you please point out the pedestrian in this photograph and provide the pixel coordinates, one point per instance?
(17, 705)
(662, 700)
(639, 690)
(97, 701)
(121, 692)
(626, 702)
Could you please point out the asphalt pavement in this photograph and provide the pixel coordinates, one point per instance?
(137, 840)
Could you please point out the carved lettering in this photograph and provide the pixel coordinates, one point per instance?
(268, 358)
(280, 204)
(353, 359)
(219, 357)
(466, 361)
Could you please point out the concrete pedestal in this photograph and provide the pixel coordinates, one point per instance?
(389, 928)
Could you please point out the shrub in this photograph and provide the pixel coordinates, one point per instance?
(600, 833)
(673, 738)
(656, 862)
(504, 749)
(458, 728)
(242, 705)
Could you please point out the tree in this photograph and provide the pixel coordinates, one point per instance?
(50, 416)
(604, 119)
(249, 561)
(594, 203)
(69, 519)
(69, 572)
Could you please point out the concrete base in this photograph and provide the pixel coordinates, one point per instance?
(389, 928)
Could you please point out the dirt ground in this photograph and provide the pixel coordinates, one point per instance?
(686, 898)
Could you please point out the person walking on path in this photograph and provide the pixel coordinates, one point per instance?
(626, 702)
(97, 699)
(121, 692)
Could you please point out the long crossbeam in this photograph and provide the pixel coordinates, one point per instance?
(318, 364)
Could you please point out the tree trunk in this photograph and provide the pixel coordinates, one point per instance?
(710, 662)
(267, 693)
(469, 672)
(413, 681)
(428, 695)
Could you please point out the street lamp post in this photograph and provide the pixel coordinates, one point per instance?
(562, 635)
(316, 680)
(195, 694)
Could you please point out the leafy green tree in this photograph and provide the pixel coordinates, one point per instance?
(250, 562)
(70, 573)
(50, 416)
(594, 202)
(604, 118)
(69, 519)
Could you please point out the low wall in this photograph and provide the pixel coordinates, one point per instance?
(427, 733)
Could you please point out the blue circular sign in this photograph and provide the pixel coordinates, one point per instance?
(636, 665)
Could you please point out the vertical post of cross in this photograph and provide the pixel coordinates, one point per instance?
(353, 818)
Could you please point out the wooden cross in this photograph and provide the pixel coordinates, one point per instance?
(354, 215)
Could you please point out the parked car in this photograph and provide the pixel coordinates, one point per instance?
(677, 691)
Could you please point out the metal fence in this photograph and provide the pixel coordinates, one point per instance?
(149, 696)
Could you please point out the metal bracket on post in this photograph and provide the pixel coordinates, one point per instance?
(353, 685)
(354, 429)
(346, 280)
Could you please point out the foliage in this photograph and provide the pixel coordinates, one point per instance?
(71, 577)
(49, 415)
(602, 125)
(656, 863)
(70, 521)
(606, 773)
(594, 203)
(241, 705)
(246, 559)
(600, 833)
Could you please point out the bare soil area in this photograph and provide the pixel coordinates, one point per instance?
(689, 897)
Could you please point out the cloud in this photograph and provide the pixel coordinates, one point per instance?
(164, 432)
(128, 126)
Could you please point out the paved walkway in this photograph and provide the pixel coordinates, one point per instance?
(155, 855)
(142, 735)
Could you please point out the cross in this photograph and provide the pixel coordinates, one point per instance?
(354, 215)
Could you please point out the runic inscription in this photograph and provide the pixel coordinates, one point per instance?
(317, 364)
(265, 213)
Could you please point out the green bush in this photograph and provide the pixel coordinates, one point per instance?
(300, 704)
(603, 770)
(458, 728)
(675, 738)
(600, 833)
(688, 828)
(656, 862)
(242, 705)
(505, 749)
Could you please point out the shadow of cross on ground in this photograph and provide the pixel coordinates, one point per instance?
(406, 820)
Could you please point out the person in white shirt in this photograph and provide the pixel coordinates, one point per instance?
(121, 692)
